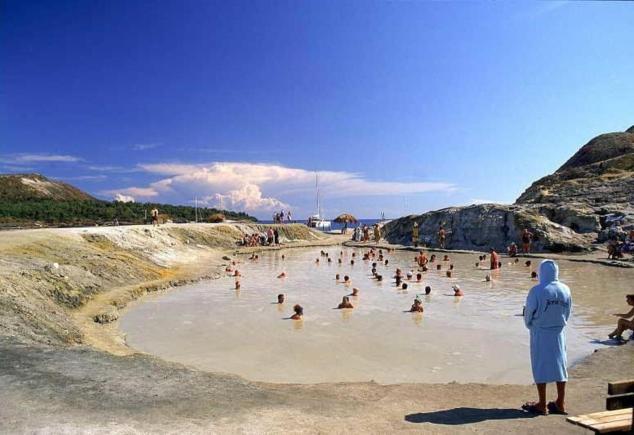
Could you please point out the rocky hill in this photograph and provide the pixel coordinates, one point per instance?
(32, 200)
(27, 187)
(567, 211)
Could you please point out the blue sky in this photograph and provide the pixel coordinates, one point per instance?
(402, 106)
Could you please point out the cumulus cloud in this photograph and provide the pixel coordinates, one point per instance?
(123, 198)
(259, 187)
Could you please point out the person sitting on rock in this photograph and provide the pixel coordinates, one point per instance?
(512, 250)
(345, 303)
(624, 322)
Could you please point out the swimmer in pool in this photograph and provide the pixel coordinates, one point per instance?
(419, 277)
(379, 277)
(427, 290)
(351, 262)
(329, 260)
(424, 269)
(533, 275)
(449, 274)
(337, 277)
(387, 262)
(280, 298)
(237, 285)
(409, 275)
(404, 286)
(477, 265)
(445, 258)
(624, 323)
(417, 306)
(282, 275)
(236, 273)
(487, 278)
(457, 291)
(451, 267)
(528, 263)
(283, 257)
(346, 280)
(438, 266)
(355, 292)
(345, 303)
(299, 312)
(339, 260)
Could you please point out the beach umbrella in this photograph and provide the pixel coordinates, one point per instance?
(345, 218)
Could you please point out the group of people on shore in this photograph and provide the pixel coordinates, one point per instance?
(282, 217)
(264, 238)
(361, 233)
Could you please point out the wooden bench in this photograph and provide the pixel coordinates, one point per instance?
(619, 416)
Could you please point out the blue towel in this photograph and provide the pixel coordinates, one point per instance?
(548, 308)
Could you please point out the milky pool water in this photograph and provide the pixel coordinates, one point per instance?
(477, 338)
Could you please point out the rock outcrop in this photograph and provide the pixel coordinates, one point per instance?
(566, 211)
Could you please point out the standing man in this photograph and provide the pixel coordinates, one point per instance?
(155, 216)
(415, 234)
(527, 238)
(441, 237)
(547, 311)
(377, 233)
(495, 259)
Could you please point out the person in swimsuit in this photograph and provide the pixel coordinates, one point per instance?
(417, 306)
(299, 312)
(495, 260)
(345, 303)
(441, 237)
(527, 238)
(624, 322)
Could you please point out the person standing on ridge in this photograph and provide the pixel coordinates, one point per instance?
(155, 216)
(415, 234)
(441, 237)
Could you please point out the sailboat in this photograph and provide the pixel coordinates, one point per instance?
(317, 221)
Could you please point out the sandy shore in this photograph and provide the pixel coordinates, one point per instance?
(60, 371)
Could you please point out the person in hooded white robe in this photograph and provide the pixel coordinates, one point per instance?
(546, 314)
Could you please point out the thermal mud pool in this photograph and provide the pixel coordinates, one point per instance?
(479, 337)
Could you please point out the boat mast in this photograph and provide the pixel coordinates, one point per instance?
(317, 188)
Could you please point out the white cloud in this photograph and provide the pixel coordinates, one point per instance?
(144, 146)
(123, 198)
(143, 192)
(34, 158)
(259, 187)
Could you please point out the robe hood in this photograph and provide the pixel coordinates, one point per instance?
(548, 272)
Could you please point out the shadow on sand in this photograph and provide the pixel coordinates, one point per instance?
(466, 415)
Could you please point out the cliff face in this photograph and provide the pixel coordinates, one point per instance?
(567, 211)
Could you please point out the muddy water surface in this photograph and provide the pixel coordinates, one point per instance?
(477, 338)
